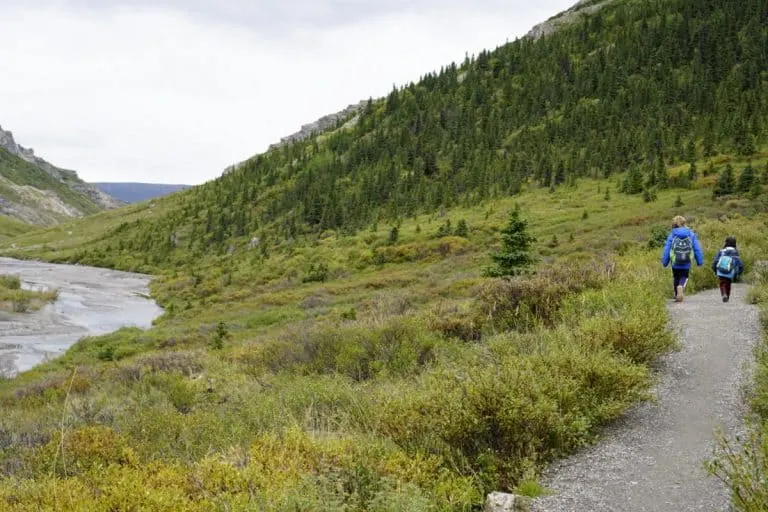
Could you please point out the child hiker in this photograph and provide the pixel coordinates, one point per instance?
(728, 266)
(681, 247)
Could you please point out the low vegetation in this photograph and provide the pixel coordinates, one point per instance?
(398, 382)
(17, 300)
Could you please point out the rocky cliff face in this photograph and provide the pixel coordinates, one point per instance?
(67, 177)
(324, 123)
(569, 16)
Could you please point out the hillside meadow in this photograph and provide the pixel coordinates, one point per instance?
(363, 372)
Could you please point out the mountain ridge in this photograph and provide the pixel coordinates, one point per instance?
(133, 192)
(35, 191)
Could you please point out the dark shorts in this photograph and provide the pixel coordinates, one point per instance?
(680, 276)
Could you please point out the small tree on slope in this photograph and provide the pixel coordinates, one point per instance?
(515, 254)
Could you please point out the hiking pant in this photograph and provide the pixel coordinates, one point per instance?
(680, 276)
(725, 286)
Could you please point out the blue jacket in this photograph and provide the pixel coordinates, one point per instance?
(730, 251)
(682, 233)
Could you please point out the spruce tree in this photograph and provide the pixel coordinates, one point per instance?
(515, 254)
(633, 183)
(747, 179)
(461, 229)
(394, 234)
(662, 174)
(725, 183)
(693, 172)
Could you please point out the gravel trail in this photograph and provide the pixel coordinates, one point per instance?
(652, 458)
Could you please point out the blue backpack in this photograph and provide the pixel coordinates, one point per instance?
(726, 266)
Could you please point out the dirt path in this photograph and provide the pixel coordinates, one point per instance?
(652, 459)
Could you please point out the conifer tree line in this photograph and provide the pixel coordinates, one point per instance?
(637, 86)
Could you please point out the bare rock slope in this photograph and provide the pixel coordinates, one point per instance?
(35, 191)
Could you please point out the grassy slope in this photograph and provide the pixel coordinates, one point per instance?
(11, 227)
(359, 389)
(23, 173)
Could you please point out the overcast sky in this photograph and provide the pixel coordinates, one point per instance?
(173, 91)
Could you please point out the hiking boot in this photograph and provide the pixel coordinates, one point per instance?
(725, 298)
(679, 295)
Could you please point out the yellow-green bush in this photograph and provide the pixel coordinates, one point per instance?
(497, 413)
(399, 347)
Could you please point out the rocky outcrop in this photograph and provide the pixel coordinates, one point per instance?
(65, 176)
(321, 125)
(564, 18)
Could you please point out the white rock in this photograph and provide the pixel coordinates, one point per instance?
(504, 502)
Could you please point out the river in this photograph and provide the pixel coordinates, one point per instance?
(91, 301)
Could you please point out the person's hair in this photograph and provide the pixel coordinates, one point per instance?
(730, 242)
(678, 221)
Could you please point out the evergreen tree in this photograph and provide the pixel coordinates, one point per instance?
(554, 242)
(394, 234)
(725, 183)
(693, 172)
(747, 179)
(461, 229)
(516, 244)
(662, 174)
(633, 183)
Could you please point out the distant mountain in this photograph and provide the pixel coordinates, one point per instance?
(137, 192)
(35, 191)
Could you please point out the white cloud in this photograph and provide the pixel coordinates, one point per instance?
(166, 95)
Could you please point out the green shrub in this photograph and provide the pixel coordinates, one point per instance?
(11, 282)
(399, 347)
(72, 452)
(526, 302)
(741, 464)
(658, 237)
(500, 414)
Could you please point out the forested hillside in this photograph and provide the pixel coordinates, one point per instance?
(331, 338)
(637, 86)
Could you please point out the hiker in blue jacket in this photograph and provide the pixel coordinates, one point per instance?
(681, 242)
(728, 266)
